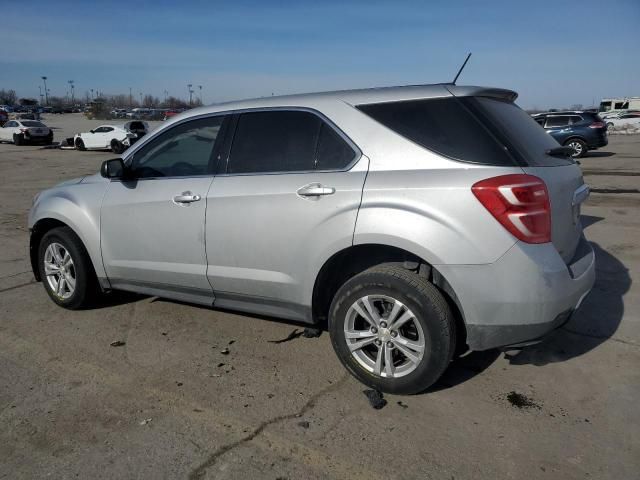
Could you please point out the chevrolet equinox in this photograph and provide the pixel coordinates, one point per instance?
(414, 222)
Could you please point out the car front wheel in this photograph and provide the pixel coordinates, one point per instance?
(392, 329)
(65, 269)
(18, 139)
(80, 144)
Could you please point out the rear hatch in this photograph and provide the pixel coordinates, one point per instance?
(528, 143)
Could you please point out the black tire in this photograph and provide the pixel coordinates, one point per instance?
(610, 126)
(117, 147)
(86, 284)
(80, 145)
(49, 139)
(18, 139)
(430, 309)
(579, 147)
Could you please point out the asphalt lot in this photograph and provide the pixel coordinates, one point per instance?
(171, 404)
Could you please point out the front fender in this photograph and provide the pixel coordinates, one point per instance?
(77, 206)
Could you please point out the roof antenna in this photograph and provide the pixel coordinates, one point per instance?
(461, 68)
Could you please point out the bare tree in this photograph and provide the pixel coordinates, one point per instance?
(8, 97)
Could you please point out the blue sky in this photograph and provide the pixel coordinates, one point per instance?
(554, 53)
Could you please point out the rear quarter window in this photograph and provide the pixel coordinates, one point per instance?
(442, 125)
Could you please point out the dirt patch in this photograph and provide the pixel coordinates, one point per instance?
(521, 401)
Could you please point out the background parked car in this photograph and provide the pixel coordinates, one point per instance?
(23, 131)
(582, 131)
(623, 119)
(116, 138)
(4, 116)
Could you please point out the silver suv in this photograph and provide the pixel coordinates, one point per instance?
(414, 222)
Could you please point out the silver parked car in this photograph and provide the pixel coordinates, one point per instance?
(415, 222)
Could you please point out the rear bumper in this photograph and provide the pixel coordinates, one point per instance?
(524, 295)
(598, 142)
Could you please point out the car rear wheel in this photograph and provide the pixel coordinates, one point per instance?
(609, 126)
(49, 139)
(80, 144)
(18, 139)
(392, 329)
(117, 147)
(66, 270)
(578, 146)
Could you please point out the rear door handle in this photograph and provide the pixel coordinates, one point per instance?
(186, 197)
(315, 190)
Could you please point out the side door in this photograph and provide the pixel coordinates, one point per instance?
(153, 222)
(104, 139)
(286, 197)
(91, 139)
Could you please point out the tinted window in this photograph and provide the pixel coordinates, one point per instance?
(183, 150)
(516, 129)
(443, 125)
(33, 124)
(333, 152)
(575, 119)
(275, 141)
(557, 122)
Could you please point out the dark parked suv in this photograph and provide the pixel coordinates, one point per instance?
(582, 131)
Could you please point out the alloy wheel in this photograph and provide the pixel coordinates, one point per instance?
(384, 336)
(60, 270)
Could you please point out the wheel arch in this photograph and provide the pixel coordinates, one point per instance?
(50, 220)
(347, 263)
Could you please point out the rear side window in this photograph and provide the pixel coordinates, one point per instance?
(333, 152)
(575, 119)
(286, 141)
(442, 125)
(559, 121)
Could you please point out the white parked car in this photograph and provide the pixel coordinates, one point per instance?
(116, 138)
(24, 131)
(632, 119)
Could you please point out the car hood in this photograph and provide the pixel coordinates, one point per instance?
(94, 178)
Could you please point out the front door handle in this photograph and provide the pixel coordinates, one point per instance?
(315, 190)
(186, 198)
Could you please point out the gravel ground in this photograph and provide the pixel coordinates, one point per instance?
(171, 403)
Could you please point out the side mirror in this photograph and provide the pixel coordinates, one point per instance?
(91, 131)
(112, 168)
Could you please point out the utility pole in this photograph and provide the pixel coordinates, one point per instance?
(72, 92)
(165, 97)
(46, 95)
(130, 98)
(140, 98)
(41, 95)
(92, 94)
(190, 92)
(200, 87)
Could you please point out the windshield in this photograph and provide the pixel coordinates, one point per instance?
(33, 124)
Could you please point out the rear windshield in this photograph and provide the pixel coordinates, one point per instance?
(480, 130)
(517, 130)
(32, 124)
(443, 125)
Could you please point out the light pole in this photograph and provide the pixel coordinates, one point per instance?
(165, 97)
(140, 98)
(130, 98)
(200, 87)
(70, 82)
(190, 92)
(91, 94)
(46, 95)
(41, 95)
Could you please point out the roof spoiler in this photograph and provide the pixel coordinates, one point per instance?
(499, 93)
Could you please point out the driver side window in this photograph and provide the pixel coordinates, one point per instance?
(182, 151)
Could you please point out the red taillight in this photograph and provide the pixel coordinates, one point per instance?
(520, 203)
(597, 125)
(24, 130)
